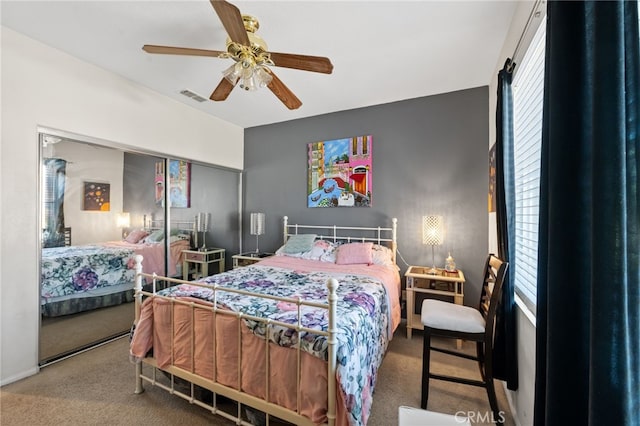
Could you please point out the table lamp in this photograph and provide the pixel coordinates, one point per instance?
(432, 234)
(202, 225)
(124, 221)
(257, 226)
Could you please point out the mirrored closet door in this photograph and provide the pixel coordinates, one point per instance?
(91, 231)
(102, 205)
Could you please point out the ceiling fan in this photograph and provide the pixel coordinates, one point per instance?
(252, 59)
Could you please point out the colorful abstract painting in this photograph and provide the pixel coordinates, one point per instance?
(339, 173)
(179, 183)
(97, 196)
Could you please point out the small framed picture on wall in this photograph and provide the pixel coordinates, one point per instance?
(96, 196)
(179, 183)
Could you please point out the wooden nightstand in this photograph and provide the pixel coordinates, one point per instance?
(443, 283)
(193, 258)
(245, 259)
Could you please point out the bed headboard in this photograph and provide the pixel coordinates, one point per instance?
(377, 235)
(151, 224)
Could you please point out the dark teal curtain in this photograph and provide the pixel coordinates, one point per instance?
(55, 172)
(505, 359)
(588, 307)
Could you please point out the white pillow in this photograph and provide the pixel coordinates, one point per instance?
(382, 255)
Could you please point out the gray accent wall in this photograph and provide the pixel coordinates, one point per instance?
(429, 157)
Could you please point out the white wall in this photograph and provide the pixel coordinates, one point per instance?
(44, 87)
(91, 163)
(521, 400)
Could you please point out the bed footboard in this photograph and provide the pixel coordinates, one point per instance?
(211, 347)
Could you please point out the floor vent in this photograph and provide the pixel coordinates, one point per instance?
(192, 95)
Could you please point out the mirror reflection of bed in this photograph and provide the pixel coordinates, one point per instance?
(87, 257)
(86, 290)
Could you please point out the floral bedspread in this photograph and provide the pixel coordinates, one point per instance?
(77, 269)
(363, 320)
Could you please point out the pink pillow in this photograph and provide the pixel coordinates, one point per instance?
(354, 253)
(134, 237)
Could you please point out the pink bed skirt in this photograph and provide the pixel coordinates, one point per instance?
(155, 330)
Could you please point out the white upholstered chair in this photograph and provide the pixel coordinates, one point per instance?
(448, 320)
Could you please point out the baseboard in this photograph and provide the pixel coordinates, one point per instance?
(512, 407)
(20, 376)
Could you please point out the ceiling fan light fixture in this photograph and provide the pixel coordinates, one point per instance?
(264, 78)
(233, 73)
(255, 79)
(249, 74)
(249, 51)
(248, 84)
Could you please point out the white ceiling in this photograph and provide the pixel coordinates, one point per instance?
(382, 51)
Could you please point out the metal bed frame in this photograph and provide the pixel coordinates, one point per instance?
(335, 233)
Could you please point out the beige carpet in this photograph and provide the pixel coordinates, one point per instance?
(97, 388)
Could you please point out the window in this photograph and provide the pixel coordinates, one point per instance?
(528, 85)
(528, 91)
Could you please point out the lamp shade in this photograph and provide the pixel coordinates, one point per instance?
(123, 220)
(202, 222)
(432, 230)
(257, 224)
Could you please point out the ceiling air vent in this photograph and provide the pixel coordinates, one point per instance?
(188, 93)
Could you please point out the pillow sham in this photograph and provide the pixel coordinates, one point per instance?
(136, 236)
(155, 236)
(382, 255)
(183, 235)
(321, 250)
(354, 253)
(179, 237)
(299, 243)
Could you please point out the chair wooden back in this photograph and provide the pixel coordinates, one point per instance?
(495, 271)
(67, 237)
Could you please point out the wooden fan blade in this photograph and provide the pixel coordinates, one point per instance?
(302, 62)
(222, 91)
(231, 19)
(283, 93)
(168, 50)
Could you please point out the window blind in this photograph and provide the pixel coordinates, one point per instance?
(528, 91)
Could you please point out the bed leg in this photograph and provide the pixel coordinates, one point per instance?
(138, 307)
(139, 387)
